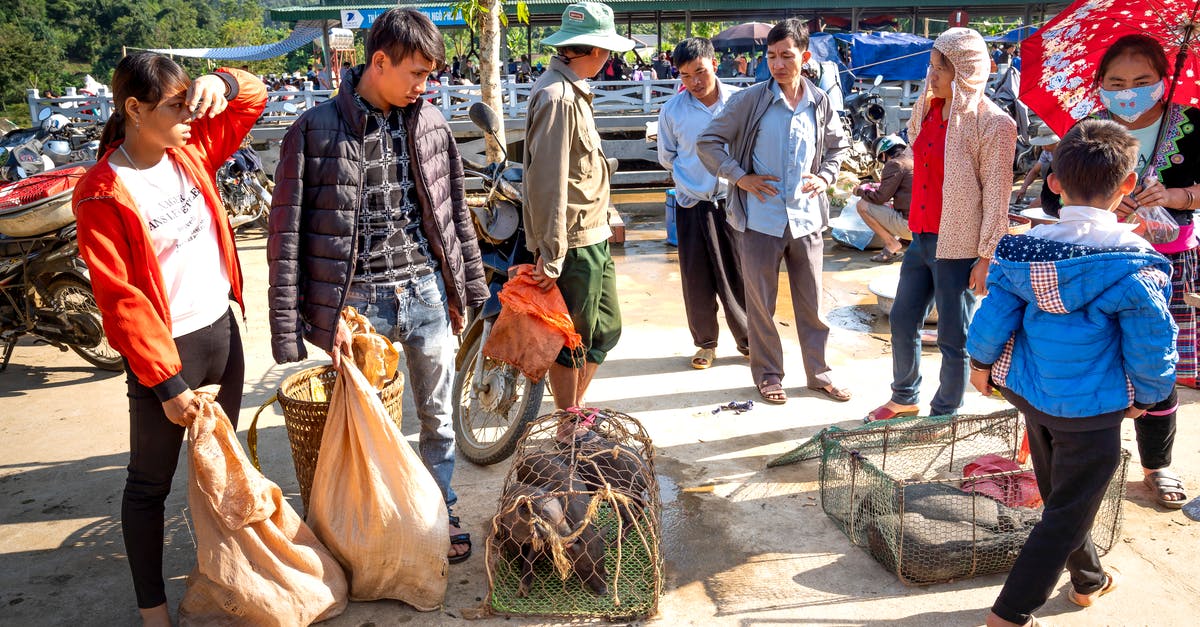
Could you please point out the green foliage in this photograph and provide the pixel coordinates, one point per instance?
(30, 62)
(472, 12)
(50, 44)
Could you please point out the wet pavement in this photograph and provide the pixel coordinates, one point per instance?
(743, 545)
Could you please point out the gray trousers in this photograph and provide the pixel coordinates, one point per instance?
(803, 256)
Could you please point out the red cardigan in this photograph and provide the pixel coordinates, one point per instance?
(115, 243)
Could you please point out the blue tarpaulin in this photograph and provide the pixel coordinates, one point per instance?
(299, 38)
(897, 56)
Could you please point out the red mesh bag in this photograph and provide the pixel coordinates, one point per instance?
(533, 326)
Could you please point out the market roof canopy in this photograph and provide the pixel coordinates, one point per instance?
(299, 38)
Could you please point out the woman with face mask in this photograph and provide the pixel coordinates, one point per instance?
(1132, 80)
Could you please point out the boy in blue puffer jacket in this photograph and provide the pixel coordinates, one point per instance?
(1075, 333)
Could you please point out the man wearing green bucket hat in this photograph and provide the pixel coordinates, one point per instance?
(566, 193)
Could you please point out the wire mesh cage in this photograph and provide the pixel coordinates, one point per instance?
(578, 525)
(922, 501)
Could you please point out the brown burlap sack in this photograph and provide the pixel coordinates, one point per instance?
(374, 504)
(257, 563)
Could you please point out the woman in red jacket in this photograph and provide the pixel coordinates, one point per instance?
(163, 265)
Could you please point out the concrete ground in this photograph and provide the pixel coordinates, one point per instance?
(743, 545)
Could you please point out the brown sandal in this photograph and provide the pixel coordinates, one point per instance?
(833, 393)
(704, 358)
(772, 393)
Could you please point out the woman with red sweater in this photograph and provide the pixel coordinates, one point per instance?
(163, 265)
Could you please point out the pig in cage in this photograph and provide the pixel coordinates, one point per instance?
(578, 528)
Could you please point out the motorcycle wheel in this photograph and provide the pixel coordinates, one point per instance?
(488, 426)
(74, 295)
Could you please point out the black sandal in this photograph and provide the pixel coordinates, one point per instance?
(459, 538)
(888, 257)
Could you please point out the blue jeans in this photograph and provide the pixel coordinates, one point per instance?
(926, 280)
(415, 315)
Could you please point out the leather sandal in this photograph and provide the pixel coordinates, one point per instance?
(772, 393)
(832, 392)
(704, 358)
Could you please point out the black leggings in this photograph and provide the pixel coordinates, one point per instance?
(210, 355)
(1156, 433)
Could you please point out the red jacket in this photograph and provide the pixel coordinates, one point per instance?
(115, 242)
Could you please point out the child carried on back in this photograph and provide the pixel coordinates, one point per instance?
(1075, 332)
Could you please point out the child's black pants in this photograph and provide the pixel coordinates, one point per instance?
(1073, 469)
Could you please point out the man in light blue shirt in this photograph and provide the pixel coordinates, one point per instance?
(708, 264)
(782, 145)
(784, 149)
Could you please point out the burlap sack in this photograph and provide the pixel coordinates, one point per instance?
(257, 563)
(374, 504)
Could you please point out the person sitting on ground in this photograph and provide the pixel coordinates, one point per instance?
(1048, 140)
(1077, 334)
(890, 223)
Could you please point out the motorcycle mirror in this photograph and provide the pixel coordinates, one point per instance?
(878, 79)
(45, 114)
(290, 108)
(486, 119)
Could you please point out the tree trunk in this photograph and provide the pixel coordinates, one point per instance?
(489, 72)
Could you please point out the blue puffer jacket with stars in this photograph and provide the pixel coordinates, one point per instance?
(1077, 331)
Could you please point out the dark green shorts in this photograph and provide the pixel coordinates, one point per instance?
(588, 283)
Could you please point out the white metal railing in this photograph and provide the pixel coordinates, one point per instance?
(611, 97)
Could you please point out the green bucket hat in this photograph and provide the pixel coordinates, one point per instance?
(589, 24)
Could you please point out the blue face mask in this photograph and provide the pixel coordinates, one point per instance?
(1130, 104)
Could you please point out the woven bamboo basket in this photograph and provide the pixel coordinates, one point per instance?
(304, 397)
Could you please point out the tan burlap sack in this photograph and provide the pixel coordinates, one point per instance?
(257, 563)
(374, 504)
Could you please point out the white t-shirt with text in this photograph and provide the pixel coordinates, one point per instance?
(185, 240)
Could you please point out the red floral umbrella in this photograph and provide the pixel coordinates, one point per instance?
(1061, 58)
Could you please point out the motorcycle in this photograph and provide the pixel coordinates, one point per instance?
(493, 401)
(44, 286)
(55, 142)
(862, 119)
(245, 189)
(1003, 91)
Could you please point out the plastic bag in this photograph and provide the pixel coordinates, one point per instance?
(849, 228)
(1154, 223)
(374, 504)
(257, 562)
(533, 326)
(1160, 227)
(1014, 490)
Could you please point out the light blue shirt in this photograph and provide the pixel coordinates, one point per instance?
(785, 148)
(680, 122)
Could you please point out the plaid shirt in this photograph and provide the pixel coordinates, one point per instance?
(391, 246)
